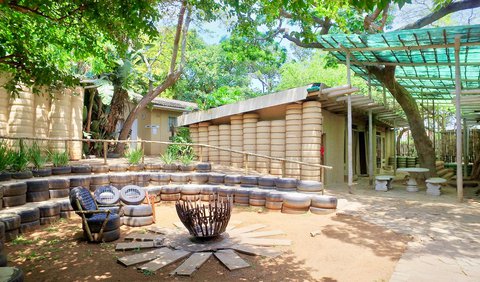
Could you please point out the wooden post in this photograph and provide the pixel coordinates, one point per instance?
(142, 146)
(66, 146)
(245, 162)
(465, 147)
(105, 149)
(370, 138)
(394, 147)
(284, 167)
(434, 131)
(349, 130)
(458, 89)
(200, 151)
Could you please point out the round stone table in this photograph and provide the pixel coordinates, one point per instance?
(414, 173)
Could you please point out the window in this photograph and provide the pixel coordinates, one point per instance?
(172, 122)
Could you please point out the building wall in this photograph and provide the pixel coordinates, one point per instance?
(334, 130)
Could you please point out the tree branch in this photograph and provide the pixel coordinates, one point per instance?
(178, 34)
(299, 43)
(27, 10)
(448, 9)
(184, 39)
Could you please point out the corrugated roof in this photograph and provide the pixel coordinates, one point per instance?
(165, 103)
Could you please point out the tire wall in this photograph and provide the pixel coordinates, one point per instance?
(277, 146)
(236, 140)
(250, 137)
(193, 128)
(263, 146)
(293, 139)
(203, 139)
(76, 130)
(213, 154)
(21, 116)
(42, 122)
(224, 142)
(311, 139)
(60, 119)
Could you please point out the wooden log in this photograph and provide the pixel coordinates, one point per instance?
(231, 260)
(194, 262)
(164, 259)
(134, 245)
(142, 257)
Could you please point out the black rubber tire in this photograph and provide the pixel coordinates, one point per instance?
(137, 221)
(203, 167)
(141, 184)
(309, 186)
(95, 223)
(153, 167)
(143, 177)
(29, 226)
(11, 274)
(5, 176)
(26, 174)
(58, 183)
(137, 210)
(161, 178)
(181, 178)
(324, 202)
(186, 168)
(267, 181)
(118, 167)
(107, 195)
(27, 214)
(321, 211)
(294, 211)
(208, 190)
(256, 202)
(242, 193)
(249, 181)
(286, 183)
(241, 200)
(274, 197)
(225, 191)
(65, 204)
(258, 194)
(83, 169)
(37, 186)
(38, 196)
(99, 168)
(11, 221)
(60, 193)
(48, 209)
(199, 178)
(112, 209)
(42, 172)
(171, 189)
(3, 259)
(216, 178)
(153, 190)
(132, 195)
(110, 236)
(14, 189)
(170, 197)
(208, 198)
(12, 234)
(273, 205)
(2, 234)
(61, 170)
(49, 219)
(67, 214)
(192, 198)
(191, 189)
(135, 167)
(170, 167)
(231, 180)
(14, 201)
(83, 181)
(121, 178)
(296, 201)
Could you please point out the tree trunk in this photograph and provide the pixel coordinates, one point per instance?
(127, 125)
(476, 169)
(120, 97)
(423, 144)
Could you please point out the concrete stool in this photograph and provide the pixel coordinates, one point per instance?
(383, 182)
(433, 185)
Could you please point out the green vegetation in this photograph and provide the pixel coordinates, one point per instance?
(22, 240)
(168, 157)
(6, 156)
(59, 159)
(36, 156)
(20, 158)
(187, 159)
(134, 156)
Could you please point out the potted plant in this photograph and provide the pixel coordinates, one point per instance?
(38, 159)
(20, 161)
(60, 163)
(186, 163)
(134, 157)
(169, 161)
(6, 158)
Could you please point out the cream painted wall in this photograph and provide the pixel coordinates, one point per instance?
(334, 129)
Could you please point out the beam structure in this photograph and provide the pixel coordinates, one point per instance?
(349, 128)
(458, 115)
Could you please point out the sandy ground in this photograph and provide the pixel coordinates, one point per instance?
(347, 249)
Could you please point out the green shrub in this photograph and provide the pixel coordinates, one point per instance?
(6, 156)
(178, 150)
(134, 156)
(59, 158)
(20, 158)
(168, 157)
(186, 159)
(36, 156)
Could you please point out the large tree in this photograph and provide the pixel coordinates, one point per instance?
(302, 21)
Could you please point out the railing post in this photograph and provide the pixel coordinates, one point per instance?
(245, 162)
(66, 146)
(142, 146)
(283, 168)
(201, 153)
(105, 149)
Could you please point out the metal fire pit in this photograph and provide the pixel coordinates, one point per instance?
(204, 221)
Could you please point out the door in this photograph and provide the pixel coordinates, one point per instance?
(362, 153)
(134, 135)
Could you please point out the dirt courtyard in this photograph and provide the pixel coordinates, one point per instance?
(346, 249)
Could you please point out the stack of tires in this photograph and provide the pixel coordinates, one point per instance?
(159, 179)
(60, 119)
(295, 203)
(193, 128)
(236, 140)
(77, 121)
(213, 154)
(97, 181)
(154, 191)
(310, 186)
(286, 184)
(180, 178)
(277, 146)
(323, 204)
(14, 194)
(49, 212)
(118, 167)
(250, 137)
(203, 139)
(142, 179)
(42, 108)
(190, 192)
(4, 105)
(59, 187)
(274, 201)
(119, 180)
(100, 168)
(171, 193)
(29, 218)
(216, 178)
(257, 197)
(226, 193)
(224, 142)
(134, 212)
(311, 139)
(21, 115)
(199, 178)
(11, 222)
(232, 179)
(401, 162)
(38, 191)
(241, 197)
(266, 182)
(66, 209)
(263, 146)
(410, 161)
(208, 193)
(83, 181)
(293, 139)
